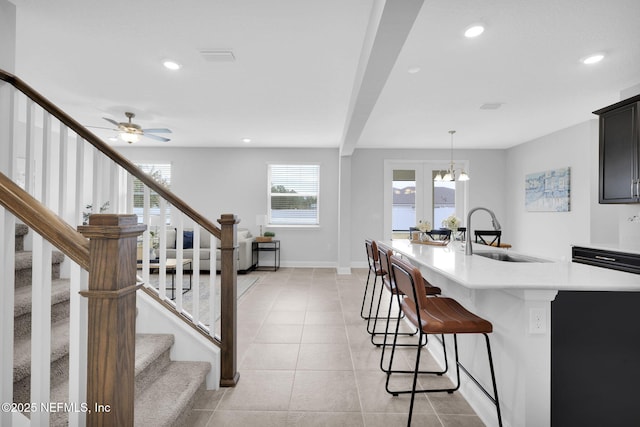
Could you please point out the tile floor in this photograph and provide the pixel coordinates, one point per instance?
(305, 359)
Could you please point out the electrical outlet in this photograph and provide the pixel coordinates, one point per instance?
(537, 321)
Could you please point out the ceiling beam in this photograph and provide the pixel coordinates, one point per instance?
(389, 26)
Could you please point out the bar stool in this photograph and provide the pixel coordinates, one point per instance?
(375, 271)
(384, 254)
(437, 316)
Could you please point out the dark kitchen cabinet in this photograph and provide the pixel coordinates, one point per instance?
(620, 152)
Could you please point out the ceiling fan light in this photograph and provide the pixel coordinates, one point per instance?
(129, 137)
(474, 31)
(171, 65)
(593, 59)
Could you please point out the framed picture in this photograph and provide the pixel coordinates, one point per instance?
(548, 191)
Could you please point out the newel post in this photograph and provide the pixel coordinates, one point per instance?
(112, 318)
(229, 374)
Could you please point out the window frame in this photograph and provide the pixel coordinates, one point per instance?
(294, 224)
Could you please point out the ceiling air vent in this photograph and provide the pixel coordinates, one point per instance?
(218, 55)
(491, 106)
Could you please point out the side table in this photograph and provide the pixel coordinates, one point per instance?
(272, 246)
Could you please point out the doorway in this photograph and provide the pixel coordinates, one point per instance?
(412, 196)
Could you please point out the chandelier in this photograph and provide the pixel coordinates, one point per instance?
(450, 174)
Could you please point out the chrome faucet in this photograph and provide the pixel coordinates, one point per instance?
(496, 226)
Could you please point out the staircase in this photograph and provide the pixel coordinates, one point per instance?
(164, 389)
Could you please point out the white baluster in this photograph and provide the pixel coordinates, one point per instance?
(195, 274)
(78, 310)
(146, 236)
(41, 294)
(114, 188)
(214, 296)
(40, 327)
(63, 190)
(30, 149)
(177, 274)
(96, 192)
(162, 271)
(7, 254)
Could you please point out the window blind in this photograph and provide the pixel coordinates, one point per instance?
(294, 192)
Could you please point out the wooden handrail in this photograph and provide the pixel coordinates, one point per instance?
(101, 146)
(44, 221)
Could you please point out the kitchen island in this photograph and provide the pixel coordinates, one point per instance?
(517, 298)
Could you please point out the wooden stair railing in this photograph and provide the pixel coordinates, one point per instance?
(76, 247)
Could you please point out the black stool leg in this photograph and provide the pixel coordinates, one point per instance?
(493, 380)
(364, 296)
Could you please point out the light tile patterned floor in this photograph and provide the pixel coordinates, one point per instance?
(305, 359)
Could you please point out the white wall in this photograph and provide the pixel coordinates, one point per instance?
(7, 36)
(551, 233)
(226, 180)
(486, 188)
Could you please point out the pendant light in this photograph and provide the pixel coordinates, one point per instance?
(450, 175)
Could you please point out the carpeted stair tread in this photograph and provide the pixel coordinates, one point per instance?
(171, 395)
(152, 357)
(22, 350)
(24, 260)
(21, 229)
(59, 293)
(149, 347)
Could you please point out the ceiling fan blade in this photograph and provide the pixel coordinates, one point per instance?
(100, 127)
(156, 137)
(160, 130)
(113, 122)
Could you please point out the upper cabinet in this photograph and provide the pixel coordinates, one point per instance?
(620, 152)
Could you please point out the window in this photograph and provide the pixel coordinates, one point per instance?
(444, 200)
(161, 172)
(294, 192)
(403, 214)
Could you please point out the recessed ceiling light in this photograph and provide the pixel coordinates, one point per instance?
(413, 70)
(474, 31)
(246, 140)
(593, 59)
(171, 65)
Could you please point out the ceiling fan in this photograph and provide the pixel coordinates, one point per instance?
(131, 132)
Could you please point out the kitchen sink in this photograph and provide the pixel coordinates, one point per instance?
(508, 257)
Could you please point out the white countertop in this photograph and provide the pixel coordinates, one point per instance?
(477, 272)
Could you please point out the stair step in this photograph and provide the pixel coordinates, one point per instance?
(22, 360)
(152, 357)
(167, 400)
(24, 263)
(22, 309)
(161, 397)
(21, 231)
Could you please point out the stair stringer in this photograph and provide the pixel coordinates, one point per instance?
(189, 345)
